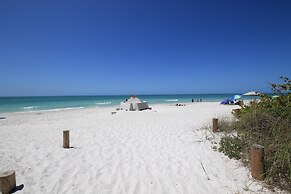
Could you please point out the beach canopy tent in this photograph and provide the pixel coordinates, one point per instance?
(227, 101)
(252, 93)
(133, 104)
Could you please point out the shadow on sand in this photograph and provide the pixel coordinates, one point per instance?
(17, 188)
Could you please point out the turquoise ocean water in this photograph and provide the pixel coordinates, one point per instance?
(24, 104)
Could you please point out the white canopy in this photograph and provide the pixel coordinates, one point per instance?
(252, 93)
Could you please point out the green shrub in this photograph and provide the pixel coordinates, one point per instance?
(266, 122)
(226, 125)
(232, 147)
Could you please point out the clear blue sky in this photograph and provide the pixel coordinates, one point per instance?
(142, 47)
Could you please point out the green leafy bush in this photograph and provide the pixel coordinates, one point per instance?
(232, 147)
(266, 122)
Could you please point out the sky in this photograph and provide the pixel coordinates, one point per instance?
(111, 47)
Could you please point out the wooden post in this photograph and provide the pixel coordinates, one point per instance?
(7, 181)
(214, 124)
(236, 113)
(66, 139)
(257, 162)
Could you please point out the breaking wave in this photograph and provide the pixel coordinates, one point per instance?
(30, 107)
(58, 109)
(172, 100)
(102, 103)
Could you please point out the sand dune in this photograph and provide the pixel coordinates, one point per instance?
(163, 150)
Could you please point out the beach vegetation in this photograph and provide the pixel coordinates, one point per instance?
(226, 125)
(266, 122)
(231, 146)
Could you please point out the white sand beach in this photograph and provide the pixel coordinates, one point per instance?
(163, 150)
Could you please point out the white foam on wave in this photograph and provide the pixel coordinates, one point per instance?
(172, 100)
(103, 103)
(58, 109)
(30, 107)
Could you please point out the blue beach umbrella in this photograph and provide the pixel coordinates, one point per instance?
(227, 101)
(236, 97)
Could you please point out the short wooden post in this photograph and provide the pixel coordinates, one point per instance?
(257, 162)
(236, 113)
(7, 181)
(66, 139)
(214, 124)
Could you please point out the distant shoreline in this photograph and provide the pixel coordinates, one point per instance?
(55, 103)
(92, 108)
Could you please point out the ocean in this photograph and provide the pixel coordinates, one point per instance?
(54, 103)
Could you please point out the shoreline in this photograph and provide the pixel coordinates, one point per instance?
(109, 106)
(29, 104)
(101, 107)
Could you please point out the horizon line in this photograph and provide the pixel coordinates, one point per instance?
(239, 93)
